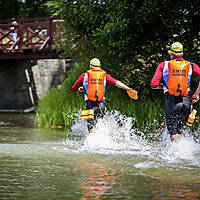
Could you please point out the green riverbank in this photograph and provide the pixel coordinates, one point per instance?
(59, 108)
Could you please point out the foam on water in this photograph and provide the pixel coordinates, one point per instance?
(112, 135)
(117, 136)
(186, 149)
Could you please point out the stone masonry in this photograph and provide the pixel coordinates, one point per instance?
(47, 74)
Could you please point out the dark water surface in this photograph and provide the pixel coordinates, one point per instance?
(61, 165)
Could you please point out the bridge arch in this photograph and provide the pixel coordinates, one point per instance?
(25, 57)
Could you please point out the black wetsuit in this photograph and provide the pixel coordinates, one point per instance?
(97, 112)
(177, 112)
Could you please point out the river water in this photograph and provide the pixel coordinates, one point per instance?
(112, 163)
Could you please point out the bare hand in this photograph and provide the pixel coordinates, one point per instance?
(195, 98)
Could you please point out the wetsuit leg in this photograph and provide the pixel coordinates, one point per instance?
(184, 106)
(90, 122)
(97, 113)
(188, 104)
(176, 113)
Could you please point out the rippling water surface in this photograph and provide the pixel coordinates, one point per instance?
(112, 163)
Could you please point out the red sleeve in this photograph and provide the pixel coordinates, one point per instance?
(110, 79)
(195, 70)
(158, 75)
(78, 83)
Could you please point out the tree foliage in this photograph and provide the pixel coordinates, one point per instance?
(131, 37)
(23, 9)
(12, 6)
(33, 8)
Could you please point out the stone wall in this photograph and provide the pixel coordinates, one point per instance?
(48, 73)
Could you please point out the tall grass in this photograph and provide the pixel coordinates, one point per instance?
(148, 113)
(59, 108)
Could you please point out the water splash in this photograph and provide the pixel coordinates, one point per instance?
(113, 134)
(185, 149)
(118, 136)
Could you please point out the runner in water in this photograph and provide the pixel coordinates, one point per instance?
(176, 75)
(93, 83)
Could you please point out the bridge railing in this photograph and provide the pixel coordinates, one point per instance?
(33, 34)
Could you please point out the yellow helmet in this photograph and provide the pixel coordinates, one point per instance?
(95, 62)
(176, 48)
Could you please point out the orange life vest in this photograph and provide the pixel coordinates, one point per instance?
(178, 77)
(96, 82)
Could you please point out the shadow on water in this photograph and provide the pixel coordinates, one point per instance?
(108, 164)
(17, 120)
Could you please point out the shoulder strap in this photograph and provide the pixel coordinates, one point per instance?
(166, 63)
(191, 65)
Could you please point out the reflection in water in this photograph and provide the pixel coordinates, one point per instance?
(96, 179)
(17, 120)
(173, 190)
(47, 164)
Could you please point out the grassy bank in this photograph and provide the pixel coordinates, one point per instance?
(59, 108)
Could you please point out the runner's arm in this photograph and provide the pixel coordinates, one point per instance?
(78, 83)
(196, 72)
(119, 84)
(195, 96)
(155, 82)
(132, 93)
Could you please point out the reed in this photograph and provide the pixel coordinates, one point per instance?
(59, 108)
(146, 112)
